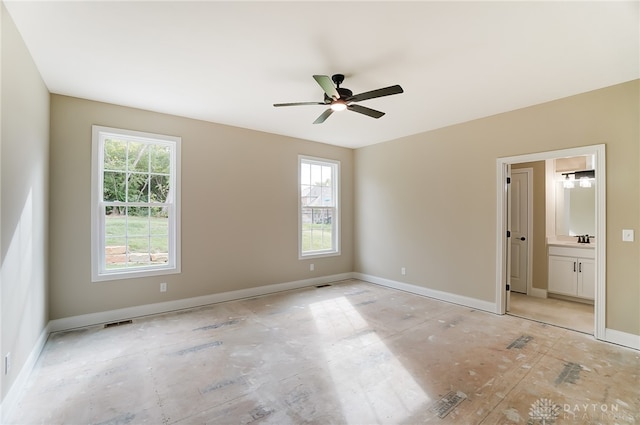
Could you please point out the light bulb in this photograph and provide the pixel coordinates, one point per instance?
(567, 183)
(585, 182)
(338, 105)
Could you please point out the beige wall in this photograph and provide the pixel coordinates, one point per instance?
(239, 209)
(24, 147)
(539, 277)
(427, 202)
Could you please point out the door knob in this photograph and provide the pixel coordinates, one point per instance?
(523, 238)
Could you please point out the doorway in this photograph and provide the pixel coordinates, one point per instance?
(504, 243)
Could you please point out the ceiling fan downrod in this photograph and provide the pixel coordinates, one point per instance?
(337, 79)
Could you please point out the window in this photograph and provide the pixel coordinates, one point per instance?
(319, 207)
(135, 204)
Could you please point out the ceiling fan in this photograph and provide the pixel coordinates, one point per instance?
(340, 98)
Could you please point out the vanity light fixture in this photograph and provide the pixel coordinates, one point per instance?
(584, 177)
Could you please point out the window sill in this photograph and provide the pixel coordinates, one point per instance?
(122, 275)
(319, 255)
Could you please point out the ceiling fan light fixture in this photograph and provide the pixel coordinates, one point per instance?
(338, 105)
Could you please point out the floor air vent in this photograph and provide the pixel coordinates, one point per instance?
(124, 322)
(323, 286)
(447, 403)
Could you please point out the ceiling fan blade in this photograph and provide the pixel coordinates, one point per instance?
(298, 104)
(387, 91)
(327, 85)
(323, 116)
(366, 111)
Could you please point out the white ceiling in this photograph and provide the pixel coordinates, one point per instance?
(228, 62)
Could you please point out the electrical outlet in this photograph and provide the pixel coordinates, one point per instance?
(403, 271)
(163, 287)
(627, 235)
(312, 267)
(7, 363)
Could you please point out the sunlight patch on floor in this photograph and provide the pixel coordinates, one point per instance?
(373, 386)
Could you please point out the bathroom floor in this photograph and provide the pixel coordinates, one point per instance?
(349, 353)
(567, 314)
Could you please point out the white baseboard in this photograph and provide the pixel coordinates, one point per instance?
(538, 293)
(8, 403)
(92, 319)
(622, 338)
(431, 293)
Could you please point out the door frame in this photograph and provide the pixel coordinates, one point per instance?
(502, 165)
(529, 172)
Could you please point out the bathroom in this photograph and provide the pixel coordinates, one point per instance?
(553, 260)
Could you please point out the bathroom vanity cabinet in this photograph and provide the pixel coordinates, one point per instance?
(572, 271)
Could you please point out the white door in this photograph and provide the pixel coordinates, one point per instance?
(508, 240)
(519, 230)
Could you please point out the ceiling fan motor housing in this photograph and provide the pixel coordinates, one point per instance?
(344, 94)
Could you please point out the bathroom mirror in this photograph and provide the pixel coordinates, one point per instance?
(575, 210)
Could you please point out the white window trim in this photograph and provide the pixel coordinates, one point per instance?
(336, 188)
(97, 235)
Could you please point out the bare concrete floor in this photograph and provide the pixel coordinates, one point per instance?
(352, 353)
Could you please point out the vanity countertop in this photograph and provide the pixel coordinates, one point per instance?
(572, 244)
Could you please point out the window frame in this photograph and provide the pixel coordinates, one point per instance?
(336, 229)
(99, 272)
